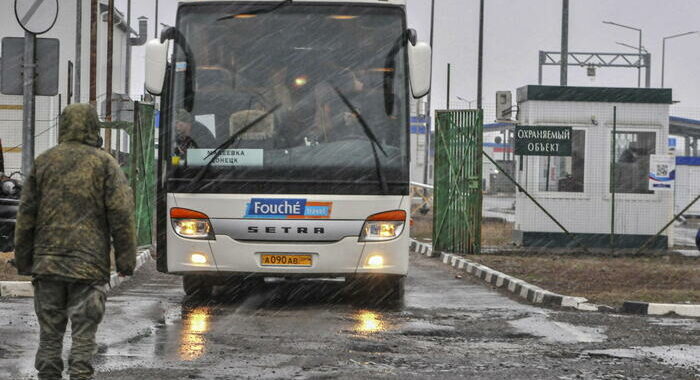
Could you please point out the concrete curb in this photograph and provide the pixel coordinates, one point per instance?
(531, 293)
(536, 295)
(422, 248)
(645, 308)
(25, 288)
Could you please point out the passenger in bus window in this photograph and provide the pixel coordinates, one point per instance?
(334, 119)
(191, 134)
(214, 96)
(261, 136)
(278, 93)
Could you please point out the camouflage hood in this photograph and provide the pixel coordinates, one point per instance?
(79, 123)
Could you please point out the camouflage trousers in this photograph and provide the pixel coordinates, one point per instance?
(55, 302)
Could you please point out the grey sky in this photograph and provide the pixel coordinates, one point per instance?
(516, 29)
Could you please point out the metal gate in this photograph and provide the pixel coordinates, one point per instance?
(142, 170)
(458, 181)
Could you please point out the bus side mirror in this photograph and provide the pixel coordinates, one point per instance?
(156, 65)
(420, 68)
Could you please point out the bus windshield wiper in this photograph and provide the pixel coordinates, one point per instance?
(370, 135)
(220, 149)
(257, 11)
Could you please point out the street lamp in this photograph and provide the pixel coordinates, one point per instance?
(663, 51)
(639, 66)
(428, 130)
(469, 102)
(633, 47)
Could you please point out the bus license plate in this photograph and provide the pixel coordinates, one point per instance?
(286, 260)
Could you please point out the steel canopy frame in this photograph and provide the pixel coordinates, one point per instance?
(586, 59)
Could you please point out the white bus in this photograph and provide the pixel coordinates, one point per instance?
(285, 141)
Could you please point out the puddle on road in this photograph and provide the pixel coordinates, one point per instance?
(690, 324)
(369, 322)
(558, 332)
(681, 355)
(424, 328)
(373, 322)
(195, 326)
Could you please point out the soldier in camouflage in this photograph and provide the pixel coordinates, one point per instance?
(74, 201)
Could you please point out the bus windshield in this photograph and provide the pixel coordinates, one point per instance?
(289, 99)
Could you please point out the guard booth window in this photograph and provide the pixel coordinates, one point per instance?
(632, 154)
(565, 174)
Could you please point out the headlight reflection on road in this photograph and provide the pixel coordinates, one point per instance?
(195, 325)
(369, 322)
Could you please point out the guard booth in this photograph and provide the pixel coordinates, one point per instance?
(593, 181)
(687, 185)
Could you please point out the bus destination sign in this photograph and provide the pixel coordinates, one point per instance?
(542, 141)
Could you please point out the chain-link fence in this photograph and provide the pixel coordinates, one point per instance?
(142, 170)
(46, 129)
(589, 170)
(132, 143)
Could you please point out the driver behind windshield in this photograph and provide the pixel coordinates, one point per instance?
(191, 134)
(334, 120)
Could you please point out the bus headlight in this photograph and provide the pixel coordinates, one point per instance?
(384, 226)
(191, 224)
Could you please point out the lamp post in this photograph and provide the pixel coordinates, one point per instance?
(644, 50)
(155, 24)
(564, 68)
(663, 51)
(449, 81)
(639, 48)
(468, 102)
(480, 62)
(633, 47)
(429, 129)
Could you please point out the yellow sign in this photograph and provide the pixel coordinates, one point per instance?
(15, 107)
(286, 260)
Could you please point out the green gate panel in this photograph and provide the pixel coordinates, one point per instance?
(457, 179)
(142, 170)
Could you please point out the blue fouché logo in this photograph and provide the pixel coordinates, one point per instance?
(287, 209)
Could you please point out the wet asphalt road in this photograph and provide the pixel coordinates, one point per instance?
(447, 328)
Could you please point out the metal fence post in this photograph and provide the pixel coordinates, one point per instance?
(29, 115)
(449, 71)
(613, 190)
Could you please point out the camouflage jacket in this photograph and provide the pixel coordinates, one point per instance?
(75, 199)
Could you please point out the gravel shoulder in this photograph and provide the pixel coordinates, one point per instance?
(606, 280)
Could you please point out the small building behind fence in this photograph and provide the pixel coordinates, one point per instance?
(73, 75)
(687, 185)
(594, 182)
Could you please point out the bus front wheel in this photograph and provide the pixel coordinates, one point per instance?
(379, 290)
(196, 286)
(391, 289)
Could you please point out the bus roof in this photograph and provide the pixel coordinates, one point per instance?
(391, 2)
